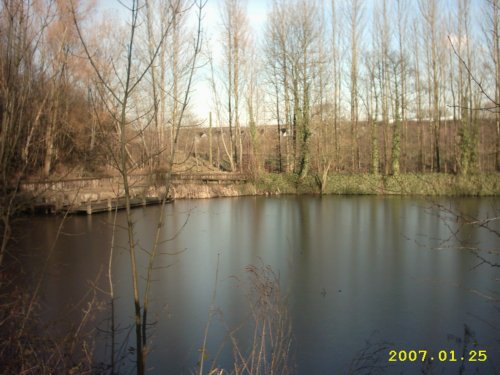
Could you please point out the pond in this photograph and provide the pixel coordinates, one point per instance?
(359, 277)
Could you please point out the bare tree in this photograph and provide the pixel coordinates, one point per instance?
(235, 29)
(336, 73)
(129, 78)
(371, 103)
(217, 103)
(429, 9)
(253, 103)
(418, 105)
(400, 92)
(382, 43)
(355, 14)
(496, 58)
(323, 105)
(277, 63)
(14, 90)
(466, 157)
(493, 37)
(295, 46)
(23, 99)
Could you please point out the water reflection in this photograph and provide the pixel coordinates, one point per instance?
(353, 267)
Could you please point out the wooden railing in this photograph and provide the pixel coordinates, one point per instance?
(210, 177)
(116, 181)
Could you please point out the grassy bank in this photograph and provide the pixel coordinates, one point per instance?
(365, 184)
(274, 184)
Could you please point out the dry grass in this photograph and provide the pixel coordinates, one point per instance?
(43, 347)
(263, 343)
(269, 350)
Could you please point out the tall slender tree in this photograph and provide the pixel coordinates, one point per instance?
(493, 36)
(429, 10)
(235, 29)
(336, 73)
(355, 14)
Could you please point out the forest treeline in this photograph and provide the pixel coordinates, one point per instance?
(351, 86)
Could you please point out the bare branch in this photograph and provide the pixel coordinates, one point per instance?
(483, 91)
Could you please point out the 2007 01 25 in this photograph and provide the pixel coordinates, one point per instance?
(421, 355)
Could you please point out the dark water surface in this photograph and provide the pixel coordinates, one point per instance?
(360, 274)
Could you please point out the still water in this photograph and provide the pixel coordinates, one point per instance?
(360, 276)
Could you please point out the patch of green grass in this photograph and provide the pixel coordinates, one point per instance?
(276, 183)
(416, 184)
(246, 189)
(355, 184)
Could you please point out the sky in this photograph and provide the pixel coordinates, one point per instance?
(257, 15)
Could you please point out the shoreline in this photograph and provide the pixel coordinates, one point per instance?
(81, 196)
